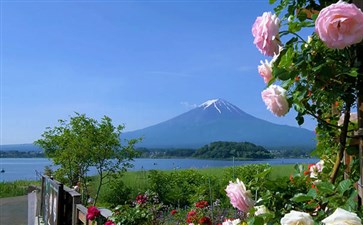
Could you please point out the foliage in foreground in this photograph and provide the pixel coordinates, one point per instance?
(202, 200)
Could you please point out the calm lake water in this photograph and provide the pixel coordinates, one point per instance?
(25, 168)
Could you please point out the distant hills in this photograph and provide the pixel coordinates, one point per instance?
(219, 120)
(20, 148)
(214, 120)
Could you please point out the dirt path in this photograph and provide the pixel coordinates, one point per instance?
(14, 210)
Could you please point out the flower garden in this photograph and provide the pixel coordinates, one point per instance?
(321, 76)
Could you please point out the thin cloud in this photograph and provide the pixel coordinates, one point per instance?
(189, 105)
(246, 68)
(170, 74)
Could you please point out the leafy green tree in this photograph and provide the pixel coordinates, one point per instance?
(82, 143)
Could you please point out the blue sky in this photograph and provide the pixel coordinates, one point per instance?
(138, 62)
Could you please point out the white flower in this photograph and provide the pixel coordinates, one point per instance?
(320, 166)
(261, 209)
(297, 218)
(342, 217)
(232, 222)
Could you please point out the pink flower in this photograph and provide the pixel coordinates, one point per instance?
(340, 25)
(265, 70)
(266, 33)
(275, 99)
(92, 213)
(240, 198)
(109, 222)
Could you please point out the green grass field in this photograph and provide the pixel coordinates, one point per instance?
(137, 180)
(16, 188)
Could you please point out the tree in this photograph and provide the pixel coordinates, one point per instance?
(82, 143)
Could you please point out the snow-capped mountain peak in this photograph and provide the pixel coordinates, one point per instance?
(220, 105)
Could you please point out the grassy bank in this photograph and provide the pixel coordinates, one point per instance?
(16, 188)
(136, 180)
(139, 178)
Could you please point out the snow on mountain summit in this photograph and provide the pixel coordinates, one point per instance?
(220, 105)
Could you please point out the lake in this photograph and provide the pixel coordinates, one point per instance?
(25, 168)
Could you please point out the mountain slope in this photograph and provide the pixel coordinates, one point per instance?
(219, 120)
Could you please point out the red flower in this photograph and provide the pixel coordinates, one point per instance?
(109, 222)
(307, 172)
(141, 199)
(173, 211)
(201, 204)
(205, 220)
(310, 165)
(291, 178)
(192, 215)
(92, 213)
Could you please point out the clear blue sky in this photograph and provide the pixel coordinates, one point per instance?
(138, 62)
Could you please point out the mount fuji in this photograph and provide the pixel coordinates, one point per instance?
(219, 120)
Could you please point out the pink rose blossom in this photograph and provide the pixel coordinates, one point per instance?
(275, 99)
(240, 198)
(265, 70)
(340, 25)
(266, 33)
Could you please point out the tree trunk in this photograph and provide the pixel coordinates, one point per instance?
(342, 142)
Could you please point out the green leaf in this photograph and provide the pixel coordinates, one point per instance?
(286, 59)
(344, 185)
(281, 73)
(301, 198)
(264, 173)
(353, 72)
(314, 16)
(272, 1)
(300, 119)
(325, 187)
(302, 16)
(299, 168)
(257, 220)
(312, 192)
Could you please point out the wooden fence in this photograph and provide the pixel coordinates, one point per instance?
(61, 205)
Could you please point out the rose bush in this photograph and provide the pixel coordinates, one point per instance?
(321, 77)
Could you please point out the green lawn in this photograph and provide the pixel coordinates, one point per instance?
(16, 188)
(137, 180)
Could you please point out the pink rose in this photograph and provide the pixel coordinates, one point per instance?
(275, 99)
(92, 213)
(340, 25)
(265, 70)
(266, 33)
(240, 198)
